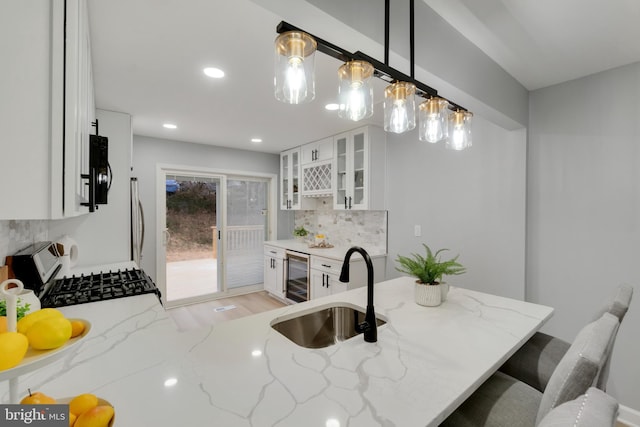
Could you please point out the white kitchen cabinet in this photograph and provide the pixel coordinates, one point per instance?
(290, 181)
(46, 107)
(317, 151)
(316, 163)
(274, 271)
(325, 274)
(359, 169)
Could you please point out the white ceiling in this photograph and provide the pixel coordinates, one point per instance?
(148, 57)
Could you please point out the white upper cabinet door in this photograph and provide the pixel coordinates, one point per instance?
(46, 107)
(359, 170)
(317, 151)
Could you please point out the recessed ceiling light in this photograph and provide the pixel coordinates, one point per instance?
(170, 126)
(332, 107)
(215, 73)
(256, 140)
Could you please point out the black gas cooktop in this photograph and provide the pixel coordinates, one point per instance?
(97, 287)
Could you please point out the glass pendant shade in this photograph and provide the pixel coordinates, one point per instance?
(294, 67)
(355, 92)
(399, 107)
(432, 117)
(459, 130)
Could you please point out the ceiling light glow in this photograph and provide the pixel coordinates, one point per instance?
(215, 73)
(332, 107)
(169, 126)
(170, 382)
(256, 140)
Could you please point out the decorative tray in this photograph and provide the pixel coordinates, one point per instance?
(320, 246)
(35, 359)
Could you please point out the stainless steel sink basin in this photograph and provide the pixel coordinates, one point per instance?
(322, 327)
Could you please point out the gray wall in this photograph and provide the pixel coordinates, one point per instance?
(103, 236)
(583, 196)
(149, 152)
(471, 202)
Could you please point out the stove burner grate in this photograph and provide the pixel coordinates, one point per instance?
(98, 287)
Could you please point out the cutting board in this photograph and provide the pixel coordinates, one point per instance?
(4, 273)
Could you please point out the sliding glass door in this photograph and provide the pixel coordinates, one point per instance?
(246, 231)
(212, 227)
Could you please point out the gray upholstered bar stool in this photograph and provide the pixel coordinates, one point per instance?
(503, 401)
(595, 408)
(536, 360)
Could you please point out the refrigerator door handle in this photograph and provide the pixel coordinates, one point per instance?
(141, 225)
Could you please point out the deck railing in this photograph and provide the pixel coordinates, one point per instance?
(240, 238)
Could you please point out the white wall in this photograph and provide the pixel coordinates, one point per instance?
(471, 202)
(103, 236)
(583, 234)
(148, 152)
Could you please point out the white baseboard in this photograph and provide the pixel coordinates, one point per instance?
(629, 416)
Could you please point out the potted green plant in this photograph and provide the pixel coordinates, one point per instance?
(429, 270)
(300, 233)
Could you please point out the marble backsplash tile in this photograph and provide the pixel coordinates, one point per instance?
(347, 228)
(15, 235)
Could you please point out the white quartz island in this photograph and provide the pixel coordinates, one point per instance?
(243, 373)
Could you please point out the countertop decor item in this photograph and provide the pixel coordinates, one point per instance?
(300, 233)
(430, 290)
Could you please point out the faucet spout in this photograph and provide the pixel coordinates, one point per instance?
(369, 327)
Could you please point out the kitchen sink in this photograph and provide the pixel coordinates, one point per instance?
(324, 326)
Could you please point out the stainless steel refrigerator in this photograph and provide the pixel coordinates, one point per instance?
(137, 223)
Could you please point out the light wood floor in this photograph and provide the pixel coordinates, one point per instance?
(211, 312)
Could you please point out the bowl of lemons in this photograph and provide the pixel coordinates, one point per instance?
(85, 410)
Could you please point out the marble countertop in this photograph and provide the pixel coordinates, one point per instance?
(337, 252)
(243, 373)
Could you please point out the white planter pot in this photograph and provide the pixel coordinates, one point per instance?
(28, 297)
(444, 290)
(428, 295)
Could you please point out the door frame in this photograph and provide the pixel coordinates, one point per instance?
(162, 169)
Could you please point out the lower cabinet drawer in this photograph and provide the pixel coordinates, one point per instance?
(330, 266)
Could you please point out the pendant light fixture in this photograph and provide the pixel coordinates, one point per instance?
(294, 84)
(355, 92)
(294, 67)
(433, 120)
(459, 130)
(399, 107)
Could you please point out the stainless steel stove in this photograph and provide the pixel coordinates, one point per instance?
(97, 287)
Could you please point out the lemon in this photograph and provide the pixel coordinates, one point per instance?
(27, 321)
(49, 333)
(37, 398)
(72, 419)
(100, 416)
(3, 324)
(13, 347)
(82, 403)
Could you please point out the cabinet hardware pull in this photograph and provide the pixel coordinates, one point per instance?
(349, 202)
(273, 252)
(327, 281)
(323, 275)
(345, 202)
(325, 265)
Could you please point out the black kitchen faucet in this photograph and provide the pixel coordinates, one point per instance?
(369, 326)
